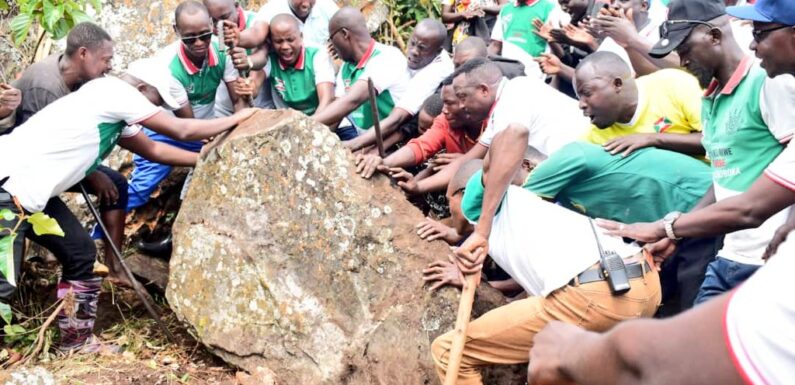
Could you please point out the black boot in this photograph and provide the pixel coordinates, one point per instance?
(161, 248)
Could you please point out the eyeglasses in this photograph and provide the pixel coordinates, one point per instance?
(760, 34)
(330, 37)
(190, 40)
(667, 27)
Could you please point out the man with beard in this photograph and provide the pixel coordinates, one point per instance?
(747, 123)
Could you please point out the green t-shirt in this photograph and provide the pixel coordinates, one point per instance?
(362, 116)
(516, 25)
(297, 84)
(642, 187)
(198, 85)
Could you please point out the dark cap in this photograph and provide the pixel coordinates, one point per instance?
(683, 17)
(767, 11)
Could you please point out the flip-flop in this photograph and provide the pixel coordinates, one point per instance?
(93, 345)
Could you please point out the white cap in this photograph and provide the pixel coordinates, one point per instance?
(154, 73)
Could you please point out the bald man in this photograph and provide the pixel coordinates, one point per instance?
(474, 47)
(363, 59)
(302, 76)
(428, 65)
(660, 110)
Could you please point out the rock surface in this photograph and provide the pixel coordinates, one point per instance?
(285, 259)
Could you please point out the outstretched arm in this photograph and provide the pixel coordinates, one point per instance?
(339, 108)
(194, 129)
(157, 151)
(637, 352)
(389, 125)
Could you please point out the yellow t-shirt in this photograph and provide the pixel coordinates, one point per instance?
(670, 102)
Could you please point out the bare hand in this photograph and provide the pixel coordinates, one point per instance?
(404, 179)
(367, 164)
(440, 160)
(626, 145)
(231, 33)
(644, 232)
(778, 238)
(661, 250)
(549, 351)
(10, 97)
(441, 273)
(431, 230)
(103, 188)
(244, 87)
(549, 63)
(471, 254)
(332, 52)
(240, 58)
(543, 30)
(619, 27)
(245, 114)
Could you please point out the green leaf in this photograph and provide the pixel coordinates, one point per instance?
(79, 16)
(7, 266)
(60, 30)
(6, 313)
(7, 214)
(4, 5)
(50, 15)
(20, 25)
(43, 224)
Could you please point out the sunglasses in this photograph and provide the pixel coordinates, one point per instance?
(760, 34)
(668, 26)
(190, 40)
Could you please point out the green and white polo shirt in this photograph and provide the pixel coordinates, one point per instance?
(61, 144)
(514, 24)
(387, 67)
(745, 125)
(297, 84)
(223, 103)
(198, 85)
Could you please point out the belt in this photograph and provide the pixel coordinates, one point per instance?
(595, 274)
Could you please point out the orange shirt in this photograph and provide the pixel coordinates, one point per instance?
(440, 136)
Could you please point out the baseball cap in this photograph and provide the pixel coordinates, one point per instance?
(154, 73)
(683, 17)
(766, 11)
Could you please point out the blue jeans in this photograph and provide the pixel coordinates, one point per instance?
(147, 174)
(723, 275)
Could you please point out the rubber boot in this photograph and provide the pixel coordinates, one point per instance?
(76, 319)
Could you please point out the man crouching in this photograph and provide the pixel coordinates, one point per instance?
(552, 252)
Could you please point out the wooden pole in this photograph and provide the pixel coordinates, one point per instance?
(379, 140)
(461, 323)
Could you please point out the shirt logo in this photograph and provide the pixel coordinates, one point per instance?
(662, 124)
(280, 86)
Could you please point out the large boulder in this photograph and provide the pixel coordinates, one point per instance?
(285, 259)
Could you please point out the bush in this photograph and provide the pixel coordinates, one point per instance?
(57, 17)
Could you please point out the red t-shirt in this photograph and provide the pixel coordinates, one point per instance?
(440, 136)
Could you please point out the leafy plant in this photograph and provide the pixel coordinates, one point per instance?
(42, 224)
(57, 17)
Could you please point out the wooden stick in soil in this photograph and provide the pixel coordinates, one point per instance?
(461, 325)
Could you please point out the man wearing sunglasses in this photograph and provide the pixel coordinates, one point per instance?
(747, 121)
(197, 67)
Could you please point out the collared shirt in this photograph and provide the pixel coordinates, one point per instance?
(552, 118)
(223, 103)
(669, 101)
(386, 66)
(61, 144)
(424, 82)
(315, 28)
(539, 253)
(197, 85)
(297, 84)
(745, 123)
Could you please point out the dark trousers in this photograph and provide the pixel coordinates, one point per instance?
(118, 180)
(722, 276)
(75, 250)
(683, 273)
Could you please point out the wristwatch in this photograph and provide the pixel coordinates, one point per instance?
(668, 223)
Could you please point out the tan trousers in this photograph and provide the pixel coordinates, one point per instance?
(505, 335)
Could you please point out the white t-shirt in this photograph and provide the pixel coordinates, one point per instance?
(777, 105)
(424, 82)
(543, 245)
(315, 28)
(759, 322)
(68, 139)
(553, 119)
